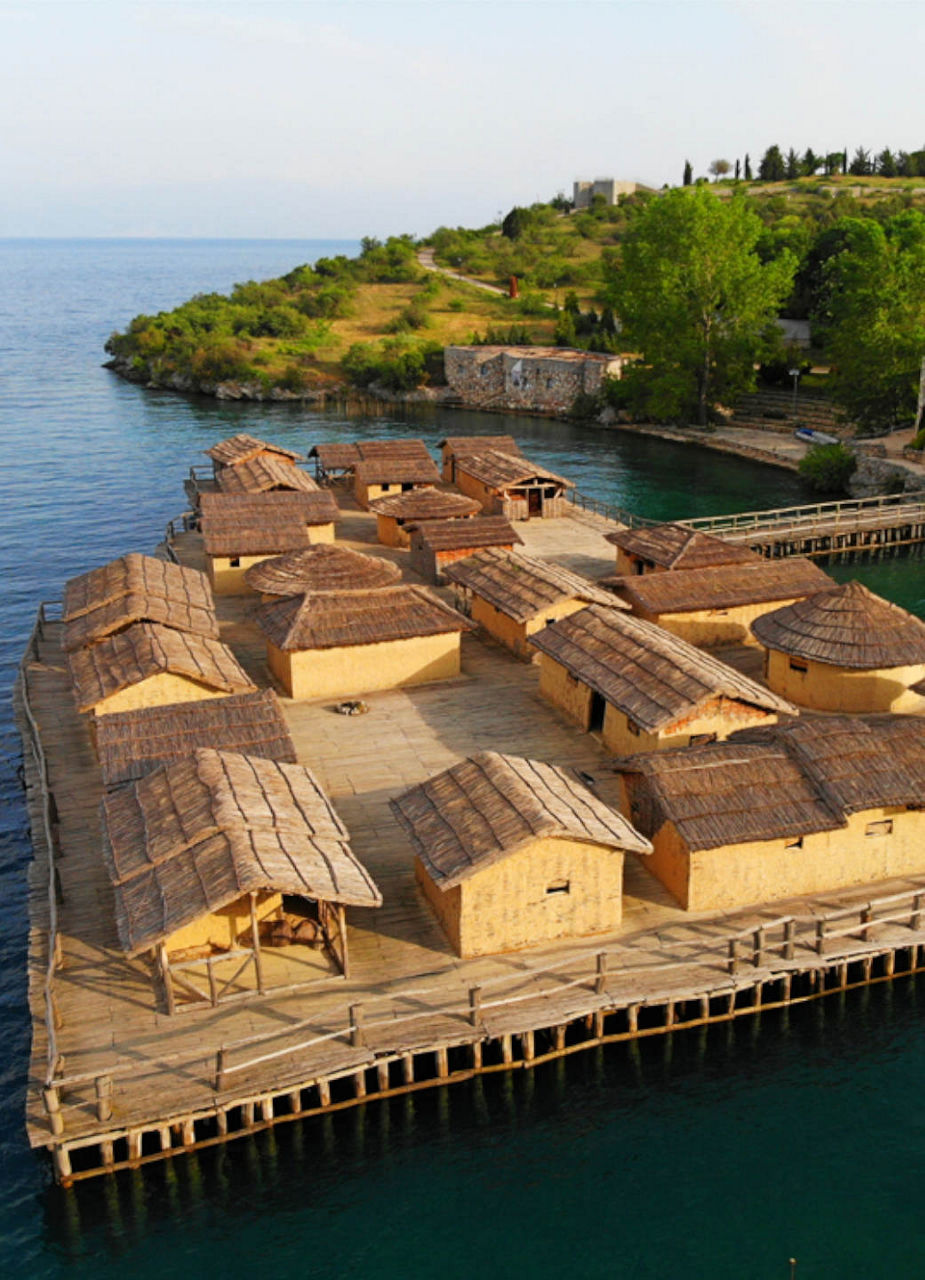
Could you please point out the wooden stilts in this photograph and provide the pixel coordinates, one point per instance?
(476, 1050)
(443, 1066)
(134, 1144)
(52, 1101)
(507, 1052)
(407, 1067)
(324, 1093)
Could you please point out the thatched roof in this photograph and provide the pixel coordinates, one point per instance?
(650, 675)
(246, 524)
(322, 568)
(147, 649)
(136, 588)
(396, 470)
(242, 447)
(131, 744)
(520, 586)
(846, 626)
(491, 805)
(264, 475)
(198, 834)
(458, 535)
(425, 504)
(353, 618)
(724, 586)
(456, 445)
(337, 456)
(499, 470)
(780, 781)
(675, 546)
(344, 456)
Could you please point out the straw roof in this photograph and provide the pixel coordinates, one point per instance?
(459, 535)
(724, 586)
(322, 568)
(343, 456)
(197, 834)
(500, 470)
(457, 445)
(132, 589)
(650, 675)
(242, 447)
(520, 586)
(131, 744)
(353, 618)
(675, 546)
(254, 524)
(263, 475)
(490, 805)
(336, 456)
(425, 504)
(846, 626)
(397, 470)
(147, 649)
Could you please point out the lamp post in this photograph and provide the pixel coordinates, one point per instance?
(795, 375)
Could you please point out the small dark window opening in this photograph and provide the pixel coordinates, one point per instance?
(633, 727)
(235, 562)
(794, 844)
(797, 665)
(558, 886)
(406, 486)
(883, 828)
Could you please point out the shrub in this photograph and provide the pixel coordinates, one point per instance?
(828, 467)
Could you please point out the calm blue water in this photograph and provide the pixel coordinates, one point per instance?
(716, 1157)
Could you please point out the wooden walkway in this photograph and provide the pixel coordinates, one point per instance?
(115, 1081)
(824, 528)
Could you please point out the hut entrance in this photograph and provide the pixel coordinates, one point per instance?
(596, 711)
(534, 502)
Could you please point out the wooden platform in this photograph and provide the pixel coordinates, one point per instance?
(114, 1076)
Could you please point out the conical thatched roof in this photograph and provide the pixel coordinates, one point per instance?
(242, 447)
(675, 546)
(196, 835)
(426, 504)
(522, 587)
(147, 649)
(344, 619)
(264, 475)
(847, 626)
(650, 675)
(491, 805)
(321, 569)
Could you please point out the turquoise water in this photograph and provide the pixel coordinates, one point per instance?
(715, 1156)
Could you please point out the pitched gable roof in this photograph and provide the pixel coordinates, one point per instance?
(723, 586)
(675, 546)
(264, 475)
(521, 586)
(242, 447)
(353, 618)
(500, 470)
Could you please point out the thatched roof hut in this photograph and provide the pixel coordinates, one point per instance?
(643, 687)
(132, 744)
(243, 448)
(808, 806)
(513, 595)
(453, 447)
(321, 570)
(438, 543)
(376, 477)
(147, 665)
(187, 845)
(356, 642)
(673, 546)
(338, 459)
(136, 588)
(395, 513)
(716, 606)
(264, 475)
(513, 852)
(511, 485)
(845, 649)
(239, 530)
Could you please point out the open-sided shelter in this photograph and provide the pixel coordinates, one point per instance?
(512, 486)
(321, 570)
(202, 851)
(245, 448)
(844, 649)
(357, 642)
(643, 688)
(395, 514)
(511, 853)
(438, 543)
(264, 475)
(131, 744)
(453, 447)
(659, 547)
(240, 530)
(378, 477)
(513, 595)
(136, 588)
(807, 806)
(338, 459)
(148, 665)
(716, 606)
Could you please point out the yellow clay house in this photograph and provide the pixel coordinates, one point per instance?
(438, 543)
(337, 460)
(454, 447)
(380, 477)
(513, 853)
(509, 485)
(240, 530)
(264, 475)
(395, 514)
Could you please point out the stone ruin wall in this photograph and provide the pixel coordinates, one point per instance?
(511, 379)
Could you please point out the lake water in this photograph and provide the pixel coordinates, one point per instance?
(717, 1156)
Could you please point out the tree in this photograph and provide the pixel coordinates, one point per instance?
(810, 162)
(516, 222)
(738, 170)
(860, 165)
(748, 168)
(886, 164)
(719, 168)
(875, 312)
(833, 163)
(772, 167)
(793, 165)
(695, 300)
(688, 174)
(828, 467)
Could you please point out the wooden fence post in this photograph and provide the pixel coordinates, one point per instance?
(52, 1101)
(475, 1005)
(866, 917)
(790, 928)
(916, 922)
(732, 960)
(601, 978)
(820, 937)
(219, 1070)
(356, 1025)
(104, 1097)
(758, 947)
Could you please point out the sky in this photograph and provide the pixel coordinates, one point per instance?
(261, 118)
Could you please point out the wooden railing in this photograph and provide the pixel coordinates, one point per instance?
(845, 512)
(620, 515)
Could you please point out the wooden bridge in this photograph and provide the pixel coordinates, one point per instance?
(824, 528)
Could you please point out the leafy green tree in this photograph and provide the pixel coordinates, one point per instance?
(828, 467)
(833, 163)
(688, 174)
(719, 168)
(772, 167)
(886, 163)
(860, 164)
(810, 162)
(875, 312)
(695, 300)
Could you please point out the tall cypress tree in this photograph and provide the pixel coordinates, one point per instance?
(688, 174)
(738, 170)
(748, 168)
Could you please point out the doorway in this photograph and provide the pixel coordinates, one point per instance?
(596, 709)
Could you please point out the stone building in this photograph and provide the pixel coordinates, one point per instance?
(544, 379)
(584, 190)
